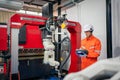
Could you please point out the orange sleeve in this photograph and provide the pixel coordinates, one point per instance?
(82, 44)
(96, 51)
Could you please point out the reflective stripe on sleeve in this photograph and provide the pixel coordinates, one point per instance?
(98, 51)
(83, 47)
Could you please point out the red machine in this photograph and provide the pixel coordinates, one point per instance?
(3, 48)
(3, 37)
(26, 46)
(32, 24)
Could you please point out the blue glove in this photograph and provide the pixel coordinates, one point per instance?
(81, 53)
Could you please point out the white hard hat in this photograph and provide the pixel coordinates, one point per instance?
(88, 27)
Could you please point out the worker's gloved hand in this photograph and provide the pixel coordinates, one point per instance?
(82, 52)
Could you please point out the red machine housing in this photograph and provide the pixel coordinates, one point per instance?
(3, 45)
(33, 36)
(75, 34)
(3, 37)
(33, 33)
(18, 20)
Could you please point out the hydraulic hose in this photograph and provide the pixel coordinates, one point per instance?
(47, 25)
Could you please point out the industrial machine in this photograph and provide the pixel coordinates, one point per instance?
(27, 47)
(39, 46)
(33, 44)
(4, 55)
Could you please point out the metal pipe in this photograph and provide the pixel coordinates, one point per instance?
(59, 8)
(59, 35)
(109, 28)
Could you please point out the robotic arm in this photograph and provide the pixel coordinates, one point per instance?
(49, 54)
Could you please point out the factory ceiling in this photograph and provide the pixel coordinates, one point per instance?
(35, 5)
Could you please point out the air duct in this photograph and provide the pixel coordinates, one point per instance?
(65, 4)
(70, 3)
(11, 4)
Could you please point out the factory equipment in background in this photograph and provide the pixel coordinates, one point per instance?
(4, 54)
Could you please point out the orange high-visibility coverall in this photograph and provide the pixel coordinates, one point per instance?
(93, 45)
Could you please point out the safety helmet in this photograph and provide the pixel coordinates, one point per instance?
(88, 27)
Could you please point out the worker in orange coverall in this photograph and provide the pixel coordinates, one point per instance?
(92, 45)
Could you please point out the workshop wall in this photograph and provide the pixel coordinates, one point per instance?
(91, 12)
(115, 27)
(5, 16)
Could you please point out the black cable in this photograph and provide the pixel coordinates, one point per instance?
(48, 24)
(69, 51)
